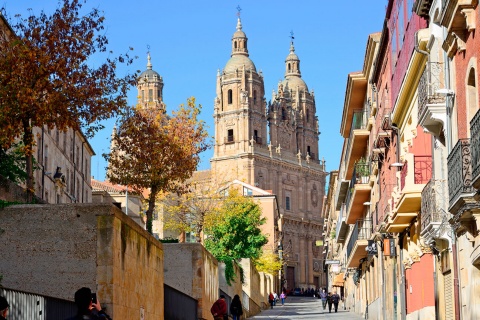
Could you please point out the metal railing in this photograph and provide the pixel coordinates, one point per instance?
(361, 231)
(24, 305)
(429, 84)
(459, 170)
(422, 169)
(341, 216)
(475, 134)
(434, 204)
(359, 121)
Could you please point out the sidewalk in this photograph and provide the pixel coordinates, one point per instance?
(303, 308)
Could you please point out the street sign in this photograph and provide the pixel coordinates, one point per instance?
(332, 261)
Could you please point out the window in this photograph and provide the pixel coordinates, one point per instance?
(158, 95)
(289, 67)
(254, 96)
(230, 135)
(235, 44)
(150, 95)
(230, 96)
(308, 150)
(45, 159)
(308, 116)
(247, 191)
(287, 203)
(143, 95)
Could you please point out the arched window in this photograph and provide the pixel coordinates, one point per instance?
(289, 67)
(471, 97)
(308, 115)
(230, 96)
(254, 96)
(235, 44)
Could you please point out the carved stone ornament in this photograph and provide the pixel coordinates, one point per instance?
(314, 195)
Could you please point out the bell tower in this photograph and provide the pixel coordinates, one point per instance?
(239, 107)
(150, 88)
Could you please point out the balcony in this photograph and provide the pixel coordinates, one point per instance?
(359, 192)
(342, 227)
(432, 114)
(357, 140)
(358, 241)
(411, 186)
(460, 187)
(475, 134)
(434, 206)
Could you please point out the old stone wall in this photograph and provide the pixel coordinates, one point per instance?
(55, 249)
(191, 269)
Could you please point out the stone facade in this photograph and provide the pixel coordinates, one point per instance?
(274, 147)
(55, 249)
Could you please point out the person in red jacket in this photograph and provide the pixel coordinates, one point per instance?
(219, 309)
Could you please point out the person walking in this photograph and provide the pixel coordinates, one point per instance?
(275, 298)
(271, 300)
(335, 299)
(236, 309)
(3, 308)
(219, 309)
(323, 296)
(88, 306)
(282, 297)
(329, 301)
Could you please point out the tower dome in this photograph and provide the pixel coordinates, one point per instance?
(293, 77)
(150, 87)
(239, 56)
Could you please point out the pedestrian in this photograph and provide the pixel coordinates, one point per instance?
(270, 300)
(282, 297)
(335, 300)
(275, 298)
(323, 296)
(329, 301)
(236, 309)
(88, 306)
(219, 309)
(3, 308)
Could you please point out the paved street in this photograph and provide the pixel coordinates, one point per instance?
(303, 308)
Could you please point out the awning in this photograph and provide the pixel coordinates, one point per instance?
(338, 280)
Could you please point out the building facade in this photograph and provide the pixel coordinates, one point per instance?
(274, 147)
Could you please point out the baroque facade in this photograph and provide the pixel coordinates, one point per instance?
(274, 147)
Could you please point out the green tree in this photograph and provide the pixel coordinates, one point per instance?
(45, 78)
(234, 233)
(156, 151)
(12, 164)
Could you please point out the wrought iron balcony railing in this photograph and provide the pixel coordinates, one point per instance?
(434, 203)
(361, 231)
(459, 170)
(475, 134)
(429, 83)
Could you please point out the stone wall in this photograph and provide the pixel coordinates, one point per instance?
(55, 249)
(191, 269)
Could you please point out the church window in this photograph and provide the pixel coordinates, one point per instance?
(158, 95)
(235, 44)
(230, 96)
(308, 116)
(143, 95)
(254, 96)
(284, 114)
(287, 203)
(289, 67)
(255, 135)
(308, 150)
(230, 135)
(150, 95)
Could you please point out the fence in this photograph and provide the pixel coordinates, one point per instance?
(29, 306)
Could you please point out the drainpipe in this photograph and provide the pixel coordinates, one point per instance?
(403, 306)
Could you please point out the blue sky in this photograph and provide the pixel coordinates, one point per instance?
(190, 40)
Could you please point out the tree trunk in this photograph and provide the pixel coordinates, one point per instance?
(151, 207)
(28, 144)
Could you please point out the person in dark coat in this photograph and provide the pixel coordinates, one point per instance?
(330, 302)
(236, 309)
(271, 299)
(87, 309)
(3, 308)
(335, 299)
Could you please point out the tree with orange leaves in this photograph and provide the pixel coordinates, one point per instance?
(155, 151)
(45, 79)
